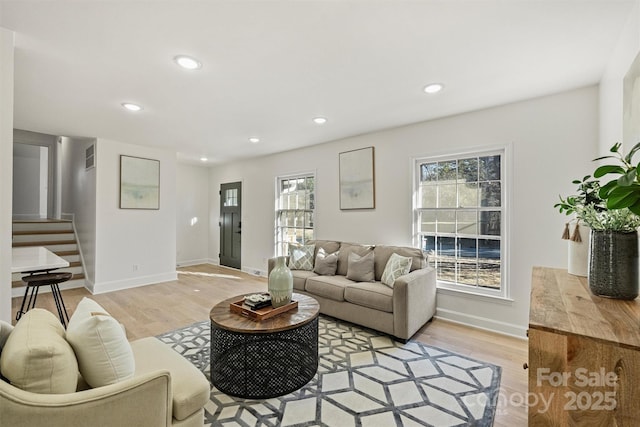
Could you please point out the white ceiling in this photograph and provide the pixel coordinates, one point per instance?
(269, 67)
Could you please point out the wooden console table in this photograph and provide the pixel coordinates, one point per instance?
(584, 354)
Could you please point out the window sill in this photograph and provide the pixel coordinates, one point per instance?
(447, 290)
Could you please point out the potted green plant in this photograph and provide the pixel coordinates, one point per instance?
(622, 192)
(613, 243)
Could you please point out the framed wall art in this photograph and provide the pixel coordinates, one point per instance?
(357, 179)
(139, 183)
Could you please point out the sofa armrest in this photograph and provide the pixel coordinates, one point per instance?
(144, 400)
(414, 301)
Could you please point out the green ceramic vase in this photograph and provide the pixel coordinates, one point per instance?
(280, 283)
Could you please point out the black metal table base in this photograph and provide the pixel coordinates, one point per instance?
(262, 366)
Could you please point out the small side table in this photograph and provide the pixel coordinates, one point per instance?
(264, 359)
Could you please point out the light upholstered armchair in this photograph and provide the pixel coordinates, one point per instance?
(163, 389)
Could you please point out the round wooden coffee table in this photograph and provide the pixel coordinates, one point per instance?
(264, 359)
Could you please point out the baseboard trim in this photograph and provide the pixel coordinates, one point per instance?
(482, 323)
(189, 263)
(254, 271)
(117, 285)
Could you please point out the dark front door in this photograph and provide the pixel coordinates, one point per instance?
(230, 224)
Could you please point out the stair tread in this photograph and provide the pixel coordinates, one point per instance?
(38, 232)
(39, 221)
(44, 243)
(66, 253)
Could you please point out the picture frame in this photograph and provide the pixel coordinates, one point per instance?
(357, 179)
(139, 183)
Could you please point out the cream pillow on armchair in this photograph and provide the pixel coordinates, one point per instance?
(100, 343)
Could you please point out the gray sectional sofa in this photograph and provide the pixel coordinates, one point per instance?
(399, 309)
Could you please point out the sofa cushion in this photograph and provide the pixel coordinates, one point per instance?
(37, 358)
(343, 256)
(300, 278)
(189, 387)
(382, 254)
(360, 268)
(370, 294)
(100, 343)
(396, 266)
(301, 257)
(331, 287)
(326, 264)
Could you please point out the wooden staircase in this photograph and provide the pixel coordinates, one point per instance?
(56, 235)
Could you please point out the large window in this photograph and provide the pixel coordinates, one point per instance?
(460, 220)
(294, 211)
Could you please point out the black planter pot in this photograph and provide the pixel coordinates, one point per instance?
(613, 264)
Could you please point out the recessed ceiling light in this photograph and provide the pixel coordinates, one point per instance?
(131, 107)
(187, 62)
(433, 88)
(204, 159)
(319, 120)
(254, 140)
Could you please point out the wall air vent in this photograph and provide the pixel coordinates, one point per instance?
(90, 157)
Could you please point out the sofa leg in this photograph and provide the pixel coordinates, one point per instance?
(401, 340)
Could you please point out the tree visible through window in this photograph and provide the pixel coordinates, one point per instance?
(460, 218)
(294, 211)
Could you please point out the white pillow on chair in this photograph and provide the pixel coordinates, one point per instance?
(100, 343)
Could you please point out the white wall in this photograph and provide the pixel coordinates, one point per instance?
(133, 247)
(192, 214)
(79, 200)
(6, 168)
(552, 140)
(52, 177)
(611, 105)
(26, 181)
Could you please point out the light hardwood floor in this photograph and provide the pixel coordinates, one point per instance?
(154, 309)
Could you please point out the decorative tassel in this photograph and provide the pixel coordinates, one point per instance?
(565, 234)
(575, 237)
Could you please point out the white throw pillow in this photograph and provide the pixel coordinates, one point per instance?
(396, 266)
(100, 343)
(301, 257)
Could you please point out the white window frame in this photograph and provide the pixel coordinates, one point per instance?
(505, 178)
(279, 243)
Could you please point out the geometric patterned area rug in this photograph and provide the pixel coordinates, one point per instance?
(364, 378)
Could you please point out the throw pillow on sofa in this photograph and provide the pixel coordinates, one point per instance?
(301, 257)
(326, 264)
(396, 266)
(360, 268)
(100, 343)
(37, 358)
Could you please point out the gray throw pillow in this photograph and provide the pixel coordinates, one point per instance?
(396, 266)
(326, 264)
(301, 257)
(360, 268)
